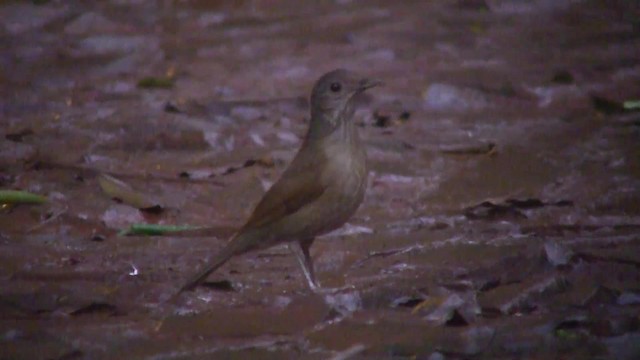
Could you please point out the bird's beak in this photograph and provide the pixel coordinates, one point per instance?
(365, 84)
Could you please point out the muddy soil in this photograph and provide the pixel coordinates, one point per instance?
(502, 215)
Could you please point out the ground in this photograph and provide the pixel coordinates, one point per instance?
(502, 215)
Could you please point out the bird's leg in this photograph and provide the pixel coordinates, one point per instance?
(301, 249)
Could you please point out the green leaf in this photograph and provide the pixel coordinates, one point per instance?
(631, 105)
(20, 197)
(154, 229)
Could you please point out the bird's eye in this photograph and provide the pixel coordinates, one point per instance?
(336, 86)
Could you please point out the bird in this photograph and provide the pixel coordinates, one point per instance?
(320, 190)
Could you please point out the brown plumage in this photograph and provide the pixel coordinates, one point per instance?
(322, 187)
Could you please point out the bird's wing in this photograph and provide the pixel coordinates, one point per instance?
(299, 186)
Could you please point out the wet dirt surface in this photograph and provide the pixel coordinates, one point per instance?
(501, 218)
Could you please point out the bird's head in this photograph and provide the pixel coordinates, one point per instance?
(332, 95)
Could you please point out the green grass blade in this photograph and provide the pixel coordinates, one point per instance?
(20, 197)
(154, 229)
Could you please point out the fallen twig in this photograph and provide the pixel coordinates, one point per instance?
(386, 253)
(47, 221)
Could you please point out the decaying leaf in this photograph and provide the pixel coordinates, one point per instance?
(384, 118)
(601, 295)
(96, 308)
(525, 301)
(449, 311)
(509, 208)
(266, 161)
(222, 285)
(562, 77)
(488, 210)
(557, 254)
(407, 301)
(606, 106)
(122, 191)
(18, 136)
(155, 83)
(489, 149)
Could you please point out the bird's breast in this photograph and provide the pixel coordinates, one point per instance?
(346, 178)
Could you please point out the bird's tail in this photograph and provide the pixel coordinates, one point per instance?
(236, 246)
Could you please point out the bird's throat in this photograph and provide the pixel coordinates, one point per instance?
(336, 125)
